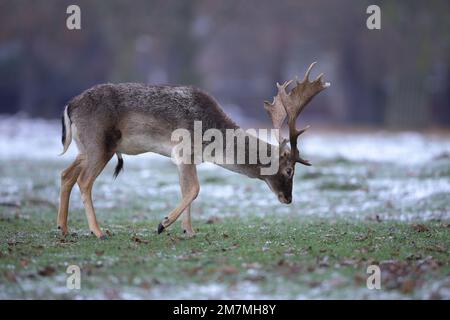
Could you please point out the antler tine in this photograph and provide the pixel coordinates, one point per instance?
(306, 77)
(295, 102)
(276, 109)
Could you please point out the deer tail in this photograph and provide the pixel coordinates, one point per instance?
(119, 166)
(66, 138)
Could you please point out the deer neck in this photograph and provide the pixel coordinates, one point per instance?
(258, 155)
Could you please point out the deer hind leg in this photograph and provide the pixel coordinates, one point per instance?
(91, 168)
(186, 222)
(189, 190)
(68, 179)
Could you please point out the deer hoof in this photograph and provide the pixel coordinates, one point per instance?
(188, 233)
(64, 232)
(160, 228)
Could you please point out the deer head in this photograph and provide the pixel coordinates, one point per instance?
(289, 105)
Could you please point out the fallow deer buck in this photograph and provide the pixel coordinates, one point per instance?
(132, 118)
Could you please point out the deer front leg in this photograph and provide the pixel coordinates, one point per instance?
(89, 172)
(189, 190)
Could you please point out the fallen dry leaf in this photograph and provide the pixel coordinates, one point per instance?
(145, 285)
(255, 278)
(437, 248)
(47, 271)
(138, 240)
(193, 271)
(408, 286)
(212, 219)
(228, 270)
(10, 276)
(420, 227)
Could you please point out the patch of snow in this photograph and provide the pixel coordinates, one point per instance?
(401, 148)
(41, 139)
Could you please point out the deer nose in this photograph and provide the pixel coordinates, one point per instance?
(284, 199)
(288, 199)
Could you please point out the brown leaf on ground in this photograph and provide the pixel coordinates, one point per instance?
(47, 271)
(99, 253)
(336, 282)
(145, 285)
(10, 276)
(281, 262)
(255, 278)
(212, 219)
(420, 227)
(374, 217)
(413, 256)
(112, 294)
(193, 271)
(408, 286)
(437, 248)
(228, 270)
(359, 279)
(66, 240)
(136, 239)
(311, 268)
(314, 284)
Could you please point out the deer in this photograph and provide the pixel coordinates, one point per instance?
(133, 118)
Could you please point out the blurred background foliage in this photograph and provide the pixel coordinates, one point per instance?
(397, 77)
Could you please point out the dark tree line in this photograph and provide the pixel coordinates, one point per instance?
(237, 50)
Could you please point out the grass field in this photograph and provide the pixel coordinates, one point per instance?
(370, 199)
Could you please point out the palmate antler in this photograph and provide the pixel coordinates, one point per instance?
(291, 104)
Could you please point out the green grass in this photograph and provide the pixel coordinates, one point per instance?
(283, 252)
(346, 217)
